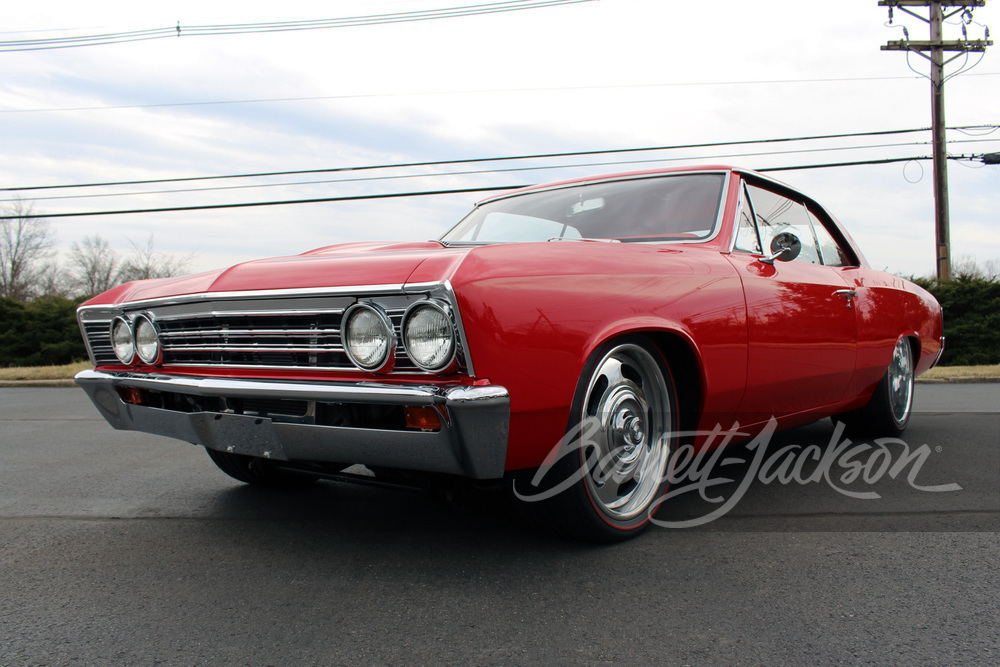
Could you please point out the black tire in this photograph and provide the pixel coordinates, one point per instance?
(606, 485)
(888, 411)
(258, 471)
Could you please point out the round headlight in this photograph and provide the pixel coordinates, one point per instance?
(147, 343)
(429, 335)
(122, 340)
(368, 338)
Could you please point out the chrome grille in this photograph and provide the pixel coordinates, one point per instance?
(98, 335)
(300, 333)
(254, 339)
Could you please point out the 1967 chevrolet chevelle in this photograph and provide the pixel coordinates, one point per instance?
(581, 328)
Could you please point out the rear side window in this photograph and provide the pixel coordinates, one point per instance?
(832, 252)
(776, 214)
(764, 214)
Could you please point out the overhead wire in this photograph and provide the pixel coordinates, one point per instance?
(278, 26)
(503, 158)
(476, 172)
(427, 193)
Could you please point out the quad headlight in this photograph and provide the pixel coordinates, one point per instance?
(429, 335)
(368, 338)
(123, 340)
(135, 338)
(147, 342)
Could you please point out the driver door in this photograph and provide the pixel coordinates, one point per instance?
(802, 324)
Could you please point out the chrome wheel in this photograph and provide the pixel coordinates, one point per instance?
(900, 382)
(888, 411)
(626, 418)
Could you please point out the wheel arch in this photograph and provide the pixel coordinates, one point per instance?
(915, 344)
(683, 359)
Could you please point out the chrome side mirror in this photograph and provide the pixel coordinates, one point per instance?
(784, 247)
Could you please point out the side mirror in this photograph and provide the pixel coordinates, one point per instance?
(784, 247)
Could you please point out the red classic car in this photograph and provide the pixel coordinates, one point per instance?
(582, 328)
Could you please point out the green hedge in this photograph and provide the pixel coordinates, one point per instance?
(971, 319)
(43, 332)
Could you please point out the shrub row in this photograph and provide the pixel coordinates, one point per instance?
(42, 332)
(971, 306)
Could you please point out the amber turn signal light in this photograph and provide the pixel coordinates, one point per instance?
(132, 395)
(422, 418)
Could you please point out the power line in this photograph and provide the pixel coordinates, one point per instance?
(397, 195)
(436, 163)
(855, 163)
(278, 26)
(477, 172)
(317, 200)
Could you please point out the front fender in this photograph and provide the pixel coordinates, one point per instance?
(531, 326)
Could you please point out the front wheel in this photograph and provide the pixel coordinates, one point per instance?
(888, 411)
(612, 467)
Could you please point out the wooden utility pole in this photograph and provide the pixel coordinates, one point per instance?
(937, 46)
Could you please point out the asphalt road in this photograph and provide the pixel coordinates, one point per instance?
(121, 548)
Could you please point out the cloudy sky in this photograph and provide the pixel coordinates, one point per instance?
(571, 77)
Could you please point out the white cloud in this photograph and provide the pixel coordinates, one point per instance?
(608, 74)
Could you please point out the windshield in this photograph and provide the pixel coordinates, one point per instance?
(683, 207)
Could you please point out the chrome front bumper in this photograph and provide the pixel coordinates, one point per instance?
(472, 440)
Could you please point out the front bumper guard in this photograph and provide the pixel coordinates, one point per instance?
(472, 440)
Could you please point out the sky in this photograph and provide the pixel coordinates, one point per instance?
(593, 75)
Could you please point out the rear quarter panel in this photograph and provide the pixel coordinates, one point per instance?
(889, 307)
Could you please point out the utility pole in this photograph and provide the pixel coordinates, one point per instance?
(937, 46)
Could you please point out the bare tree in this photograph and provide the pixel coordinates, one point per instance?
(25, 246)
(146, 262)
(966, 265)
(94, 267)
(54, 281)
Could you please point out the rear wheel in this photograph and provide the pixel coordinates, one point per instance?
(888, 411)
(612, 470)
(258, 471)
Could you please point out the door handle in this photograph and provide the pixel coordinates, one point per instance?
(849, 293)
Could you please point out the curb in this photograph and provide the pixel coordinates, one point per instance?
(67, 382)
(959, 380)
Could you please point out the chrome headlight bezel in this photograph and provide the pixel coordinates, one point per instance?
(437, 363)
(124, 349)
(387, 359)
(153, 356)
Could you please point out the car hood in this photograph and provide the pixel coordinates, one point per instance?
(346, 265)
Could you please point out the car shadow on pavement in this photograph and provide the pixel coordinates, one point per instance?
(811, 478)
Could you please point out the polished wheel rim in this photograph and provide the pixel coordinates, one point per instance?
(901, 382)
(627, 448)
